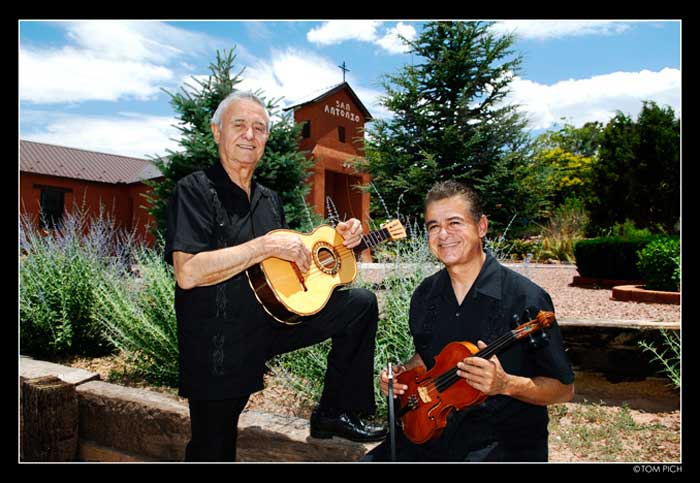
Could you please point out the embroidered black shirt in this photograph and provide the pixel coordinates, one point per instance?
(221, 328)
(498, 293)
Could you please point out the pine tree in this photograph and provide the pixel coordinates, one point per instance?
(637, 176)
(283, 167)
(449, 120)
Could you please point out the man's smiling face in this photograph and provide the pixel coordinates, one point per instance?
(453, 235)
(243, 134)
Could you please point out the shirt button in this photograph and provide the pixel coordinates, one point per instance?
(456, 314)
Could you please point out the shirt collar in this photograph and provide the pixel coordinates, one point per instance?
(488, 282)
(224, 184)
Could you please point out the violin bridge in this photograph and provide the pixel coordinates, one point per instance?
(423, 393)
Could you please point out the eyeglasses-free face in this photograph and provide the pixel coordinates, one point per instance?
(243, 133)
(453, 235)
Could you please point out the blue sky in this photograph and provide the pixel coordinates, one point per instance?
(97, 84)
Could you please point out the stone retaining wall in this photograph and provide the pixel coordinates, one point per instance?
(125, 424)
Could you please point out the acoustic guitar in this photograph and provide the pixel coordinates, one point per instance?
(288, 295)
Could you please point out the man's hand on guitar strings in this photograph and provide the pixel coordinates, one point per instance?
(351, 231)
(289, 248)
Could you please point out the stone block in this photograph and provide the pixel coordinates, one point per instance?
(134, 420)
(30, 368)
(49, 420)
(270, 437)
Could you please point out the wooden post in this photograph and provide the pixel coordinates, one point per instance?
(49, 426)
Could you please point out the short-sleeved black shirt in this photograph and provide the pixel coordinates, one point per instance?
(221, 328)
(486, 313)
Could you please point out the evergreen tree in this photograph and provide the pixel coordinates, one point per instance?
(283, 167)
(449, 119)
(637, 176)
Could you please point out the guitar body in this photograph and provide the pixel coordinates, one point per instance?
(277, 285)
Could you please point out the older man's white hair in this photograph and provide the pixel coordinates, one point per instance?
(237, 96)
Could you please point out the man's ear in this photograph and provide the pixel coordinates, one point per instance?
(216, 132)
(483, 226)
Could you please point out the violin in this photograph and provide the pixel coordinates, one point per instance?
(431, 396)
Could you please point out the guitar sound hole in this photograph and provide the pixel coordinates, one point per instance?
(326, 259)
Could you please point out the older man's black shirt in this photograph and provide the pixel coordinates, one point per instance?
(222, 328)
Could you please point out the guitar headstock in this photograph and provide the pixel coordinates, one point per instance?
(542, 320)
(395, 229)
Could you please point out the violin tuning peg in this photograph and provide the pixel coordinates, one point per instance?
(538, 339)
(515, 320)
(531, 312)
(534, 341)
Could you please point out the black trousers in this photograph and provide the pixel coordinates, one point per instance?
(214, 427)
(534, 449)
(350, 321)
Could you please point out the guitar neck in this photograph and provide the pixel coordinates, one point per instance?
(372, 239)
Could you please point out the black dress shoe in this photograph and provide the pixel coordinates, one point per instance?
(345, 425)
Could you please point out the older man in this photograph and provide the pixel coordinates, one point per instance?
(218, 225)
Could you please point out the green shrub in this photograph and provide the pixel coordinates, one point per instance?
(659, 264)
(525, 249)
(610, 257)
(137, 312)
(566, 225)
(669, 355)
(58, 270)
(558, 248)
(628, 230)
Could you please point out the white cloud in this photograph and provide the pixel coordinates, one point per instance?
(391, 41)
(548, 29)
(337, 31)
(295, 74)
(107, 60)
(596, 98)
(68, 75)
(126, 134)
(139, 40)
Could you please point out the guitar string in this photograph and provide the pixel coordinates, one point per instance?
(313, 273)
(314, 270)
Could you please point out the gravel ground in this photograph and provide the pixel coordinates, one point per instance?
(586, 303)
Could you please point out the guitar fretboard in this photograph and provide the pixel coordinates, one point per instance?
(373, 239)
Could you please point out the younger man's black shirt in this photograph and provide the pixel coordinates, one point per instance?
(486, 313)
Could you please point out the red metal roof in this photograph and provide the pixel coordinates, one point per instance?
(76, 163)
